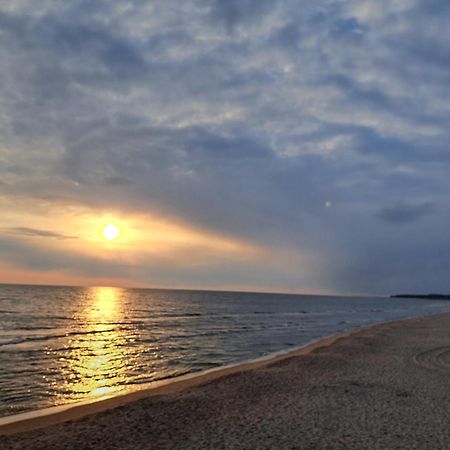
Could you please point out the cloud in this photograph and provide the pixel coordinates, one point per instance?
(237, 12)
(158, 269)
(33, 232)
(405, 212)
(241, 118)
(41, 259)
(118, 181)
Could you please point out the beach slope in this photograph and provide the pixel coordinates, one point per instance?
(385, 387)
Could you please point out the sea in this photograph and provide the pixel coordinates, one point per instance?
(60, 345)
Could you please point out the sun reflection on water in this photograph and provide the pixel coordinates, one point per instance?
(98, 359)
(106, 305)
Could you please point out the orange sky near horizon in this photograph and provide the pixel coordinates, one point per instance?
(15, 275)
(68, 247)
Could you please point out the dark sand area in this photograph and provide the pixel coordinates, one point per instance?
(385, 387)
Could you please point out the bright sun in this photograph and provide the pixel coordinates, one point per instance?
(110, 232)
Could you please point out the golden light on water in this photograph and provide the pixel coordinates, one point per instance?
(106, 304)
(97, 365)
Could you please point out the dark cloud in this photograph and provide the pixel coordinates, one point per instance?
(405, 212)
(33, 232)
(236, 12)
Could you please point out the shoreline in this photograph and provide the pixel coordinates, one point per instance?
(53, 415)
(370, 388)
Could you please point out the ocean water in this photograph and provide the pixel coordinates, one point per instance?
(63, 344)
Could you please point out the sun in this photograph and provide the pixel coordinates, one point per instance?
(111, 232)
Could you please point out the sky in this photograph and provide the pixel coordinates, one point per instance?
(270, 145)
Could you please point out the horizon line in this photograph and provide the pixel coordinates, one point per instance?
(244, 291)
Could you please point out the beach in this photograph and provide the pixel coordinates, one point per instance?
(382, 387)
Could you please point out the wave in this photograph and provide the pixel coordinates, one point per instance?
(21, 340)
(180, 316)
(34, 328)
(8, 341)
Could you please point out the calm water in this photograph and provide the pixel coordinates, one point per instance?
(63, 344)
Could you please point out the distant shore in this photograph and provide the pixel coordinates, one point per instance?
(423, 296)
(381, 387)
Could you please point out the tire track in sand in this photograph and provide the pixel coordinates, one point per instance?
(434, 359)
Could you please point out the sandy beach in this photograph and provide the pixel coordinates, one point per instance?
(384, 387)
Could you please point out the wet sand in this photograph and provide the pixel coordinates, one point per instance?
(384, 387)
